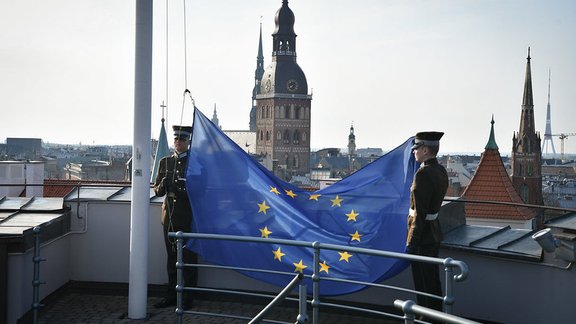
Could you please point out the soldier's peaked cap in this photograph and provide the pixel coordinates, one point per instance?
(427, 138)
(182, 131)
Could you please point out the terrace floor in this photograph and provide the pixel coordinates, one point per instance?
(89, 306)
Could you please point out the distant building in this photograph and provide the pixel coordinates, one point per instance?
(114, 170)
(23, 148)
(369, 152)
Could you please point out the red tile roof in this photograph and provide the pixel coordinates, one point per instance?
(60, 188)
(492, 183)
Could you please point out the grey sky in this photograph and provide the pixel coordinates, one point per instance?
(390, 67)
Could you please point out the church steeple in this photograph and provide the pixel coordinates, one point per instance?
(491, 145)
(215, 120)
(527, 119)
(257, 81)
(351, 142)
(526, 149)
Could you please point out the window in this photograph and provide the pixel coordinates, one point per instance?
(296, 137)
(525, 193)
(286, 137)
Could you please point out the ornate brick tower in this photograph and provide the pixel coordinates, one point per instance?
(283, 105)
(526, 149)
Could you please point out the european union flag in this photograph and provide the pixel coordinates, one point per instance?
(232, 194)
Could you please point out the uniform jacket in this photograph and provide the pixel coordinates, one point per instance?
(176, 207)
(426, 195)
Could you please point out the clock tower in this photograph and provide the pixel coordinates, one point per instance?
(283, 105)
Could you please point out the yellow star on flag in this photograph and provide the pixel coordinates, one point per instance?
(324, 267)
(291, 193)
(352, 215)
(336, 201)
(299, 266)
(265, 232)
(344, 256)
(356, 236)
(314, 197)
(274, 190)
(278, 255)
(262, 207)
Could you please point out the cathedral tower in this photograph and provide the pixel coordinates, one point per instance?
(283, 105)
(526, 149)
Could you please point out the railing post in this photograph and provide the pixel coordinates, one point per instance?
(36, 280)
(302, 307)
(449, 294)
(406, 307)
(179, 276)
(316, 284)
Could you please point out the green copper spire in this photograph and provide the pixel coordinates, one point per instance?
(491, 145)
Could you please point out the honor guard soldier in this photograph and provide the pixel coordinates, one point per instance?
(424, 233)
(176, 213)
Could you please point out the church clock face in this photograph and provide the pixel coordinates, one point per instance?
(267, 85)
(292, 85)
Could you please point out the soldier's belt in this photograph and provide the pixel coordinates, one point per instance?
(429, 217)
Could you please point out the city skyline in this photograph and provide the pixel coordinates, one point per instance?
(391, 68)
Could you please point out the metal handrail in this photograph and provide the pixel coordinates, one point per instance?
(410, 309)
(448, 263)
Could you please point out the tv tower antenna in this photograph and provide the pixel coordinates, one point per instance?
(548, 133)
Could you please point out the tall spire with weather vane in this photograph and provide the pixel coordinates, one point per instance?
(526, 150)
(257, 79)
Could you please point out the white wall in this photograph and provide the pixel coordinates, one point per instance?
(102, 253)
(54, 271)
(17, 172)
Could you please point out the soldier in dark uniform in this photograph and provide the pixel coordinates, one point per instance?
(176, 213)
(424, 234)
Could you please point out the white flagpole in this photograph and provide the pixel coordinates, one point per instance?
(141, 154)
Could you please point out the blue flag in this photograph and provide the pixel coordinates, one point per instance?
(233, 194)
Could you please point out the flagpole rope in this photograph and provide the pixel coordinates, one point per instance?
(166, 90)
(185, 49)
